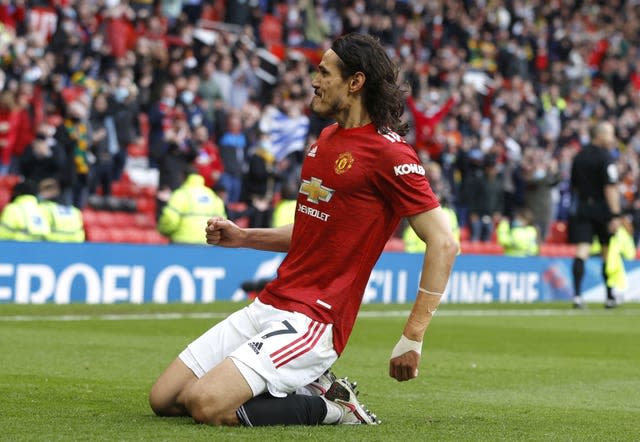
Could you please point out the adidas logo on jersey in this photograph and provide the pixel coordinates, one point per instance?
(255, 346)
(313, 151)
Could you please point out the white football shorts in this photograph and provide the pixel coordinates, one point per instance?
(275, 350)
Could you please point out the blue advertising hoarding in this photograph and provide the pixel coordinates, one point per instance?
(37, 273)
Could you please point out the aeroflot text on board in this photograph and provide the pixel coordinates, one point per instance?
(39, 283)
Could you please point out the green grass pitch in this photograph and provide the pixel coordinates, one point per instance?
(489, 372)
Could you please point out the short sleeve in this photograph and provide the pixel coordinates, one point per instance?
(400, 178)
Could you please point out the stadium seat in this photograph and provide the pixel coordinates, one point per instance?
(394, 244)
(120, 189)
(138, 150)
(123, 219)
(147, 192)
(90, 217)
(558, 233)
(5, 197)
(557, 250)
(135, 235)
(118, 235)
(146, 204)
(152, 236)
(481, 248)
(8, 181)
(144, 220)
(95, 233)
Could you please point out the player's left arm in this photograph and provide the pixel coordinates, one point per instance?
(433, 228)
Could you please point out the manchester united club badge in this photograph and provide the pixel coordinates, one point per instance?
(344, 162)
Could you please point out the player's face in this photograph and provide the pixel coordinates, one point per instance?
(330, 89)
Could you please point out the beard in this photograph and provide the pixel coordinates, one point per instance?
(326, 110)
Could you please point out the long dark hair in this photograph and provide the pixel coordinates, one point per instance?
(383, 97)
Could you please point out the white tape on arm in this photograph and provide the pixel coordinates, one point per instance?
(404, 345)
(429, 292)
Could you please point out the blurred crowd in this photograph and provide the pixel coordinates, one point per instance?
(501, 95)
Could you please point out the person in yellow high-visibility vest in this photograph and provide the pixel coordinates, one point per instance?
(413, 243)
(65, 221)
(285, 211)
(23, 219)
(188, 209)
(621, 246)
(518, 237)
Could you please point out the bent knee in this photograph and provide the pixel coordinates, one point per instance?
(164, 403)
(207, 409)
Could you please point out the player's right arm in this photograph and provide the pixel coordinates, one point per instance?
(225, 233)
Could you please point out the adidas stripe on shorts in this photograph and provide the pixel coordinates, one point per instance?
(285, 350)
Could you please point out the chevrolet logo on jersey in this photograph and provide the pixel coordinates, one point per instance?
(315, 191)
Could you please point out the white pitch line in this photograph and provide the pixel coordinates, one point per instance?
(363, 314)
(503, 313)
(114, 317)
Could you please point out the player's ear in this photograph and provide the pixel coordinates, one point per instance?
(356, 82)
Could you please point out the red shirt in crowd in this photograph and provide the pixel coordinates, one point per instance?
(209, 164)
(425, 126)
(8, 134)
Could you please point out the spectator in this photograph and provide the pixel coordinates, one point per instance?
(29, 109)
(126, 117)
(232, 147)
(259, 184)
(74, 135)
(190, 102)
(8, 129)
(104, 146)
(413, 243)
(65, 221)
(44, 157)
(285, 124)
(23, 219)
(208, 161)
(621, 245)
(180, 154)
(541, 176)
(211, 98)
(518, 237)
(161, 117)
(222, 77)
(285, 210)
(188, 210)
(487, 201)
(425, 122)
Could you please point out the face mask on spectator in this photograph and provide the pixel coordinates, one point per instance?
(190, 63)
(32, 74)
(169, 101)
(539, 174)
(121, 94)
(20, 48)
(187, 97)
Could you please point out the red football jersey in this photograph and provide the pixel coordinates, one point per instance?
(356, 185)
